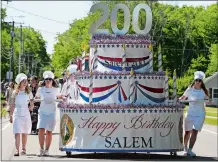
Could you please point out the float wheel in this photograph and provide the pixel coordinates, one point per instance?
(68, 154)
(173, 153)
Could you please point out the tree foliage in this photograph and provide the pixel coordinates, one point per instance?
(34, 47)
(185, 33)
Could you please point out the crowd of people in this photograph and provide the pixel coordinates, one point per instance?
(21, 100)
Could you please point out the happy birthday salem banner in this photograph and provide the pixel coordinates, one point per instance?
(114, 132)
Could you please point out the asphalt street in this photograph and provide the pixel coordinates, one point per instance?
(205, 148)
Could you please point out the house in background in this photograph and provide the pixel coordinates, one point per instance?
(212, 85)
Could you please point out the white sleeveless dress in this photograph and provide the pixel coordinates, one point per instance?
(47, 109)
(195, 115)
(21, 117)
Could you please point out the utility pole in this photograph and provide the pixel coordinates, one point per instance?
(33, 62)
(21, 48)
(35, 67)
(12, 53)
(30, 54)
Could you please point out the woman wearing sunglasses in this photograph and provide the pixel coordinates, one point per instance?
(195, 115)
(20, 112)
(48, 93)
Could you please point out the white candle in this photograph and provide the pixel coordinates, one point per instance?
(90, 87)
(95, 59)
(124, 58)
(166, 89)
(174, 88)
(150, 58)
(83, 60)
(131, 96)
(159, 59)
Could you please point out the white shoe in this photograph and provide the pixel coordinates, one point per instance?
(185, 153)
(41, 152)
(46, 152)
(191, 153)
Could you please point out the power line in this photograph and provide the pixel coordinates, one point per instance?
(57, 21)
(45, 31)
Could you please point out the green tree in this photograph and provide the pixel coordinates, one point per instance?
(185, 34)
(34, 48)
(213, 65)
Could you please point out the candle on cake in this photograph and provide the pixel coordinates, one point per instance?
(159, 59)
(150, 58)
(124, 58)
(174, 88)
(131, 96)
(90, 87)
(167, 88)
(95, 58)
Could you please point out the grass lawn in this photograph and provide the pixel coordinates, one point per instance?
(210, 111)
(211, 121)
(214, 114)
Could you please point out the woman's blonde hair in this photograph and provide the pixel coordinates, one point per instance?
(27, 89)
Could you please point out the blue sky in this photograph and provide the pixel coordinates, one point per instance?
(64, 11)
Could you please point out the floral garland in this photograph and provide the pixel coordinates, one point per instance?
(121, 39)
(119, 106)
(97, 73)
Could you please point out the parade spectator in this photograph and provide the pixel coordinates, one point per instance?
(67, 87)
(34, 116)
(48, 93)
(195, 115)
(8, 95)
(19, 112)
(34, 85)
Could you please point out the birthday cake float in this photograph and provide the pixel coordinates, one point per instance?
(121, 73)
(121, 104)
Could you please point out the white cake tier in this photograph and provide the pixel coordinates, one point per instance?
(146, 89)
(119, 53)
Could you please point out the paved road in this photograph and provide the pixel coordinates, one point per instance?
(206, 148)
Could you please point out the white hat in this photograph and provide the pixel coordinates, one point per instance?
(20, 77)
(48, 74)
(71, 69)
(199, 75)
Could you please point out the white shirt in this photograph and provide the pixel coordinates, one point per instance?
(70, 89)
(21, 103)
(195, 108)
(48, 95)
(64, 89)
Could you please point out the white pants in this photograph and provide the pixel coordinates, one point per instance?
(47, 122)
(194, 122)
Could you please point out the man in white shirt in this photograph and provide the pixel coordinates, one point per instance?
(66, 87)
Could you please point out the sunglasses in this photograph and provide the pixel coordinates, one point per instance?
(198, 80)
(24, 81)
(50, 79)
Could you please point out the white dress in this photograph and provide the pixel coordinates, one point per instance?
(47, 109)
(195, 115)
(21, 117)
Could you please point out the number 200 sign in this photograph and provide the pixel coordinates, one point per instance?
(94, 27)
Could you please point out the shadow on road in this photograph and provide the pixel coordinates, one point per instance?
(138, 157)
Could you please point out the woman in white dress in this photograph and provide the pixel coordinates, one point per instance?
(48, 93)
(20, 112)
(195, 115)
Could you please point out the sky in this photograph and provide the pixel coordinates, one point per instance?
(62, 12)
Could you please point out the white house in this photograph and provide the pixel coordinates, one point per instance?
(211, 84)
